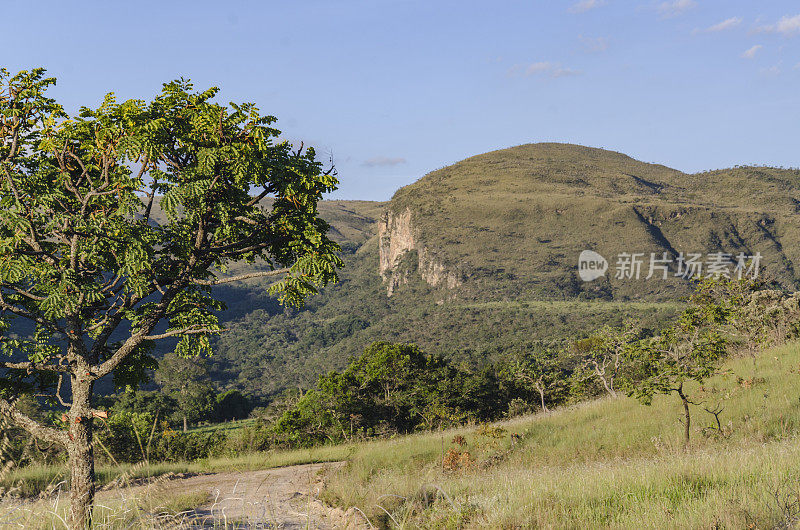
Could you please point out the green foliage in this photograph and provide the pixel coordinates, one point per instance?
(139, 436)
(232, 405)
(397, 388)
(690, 349)
(607, 357)
(187, 382)
(80, 255)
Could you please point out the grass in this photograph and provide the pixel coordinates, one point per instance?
(607, 463)
(154, 507)
(31, 480)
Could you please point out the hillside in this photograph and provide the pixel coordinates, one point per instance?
(480, 259)
(610, 463)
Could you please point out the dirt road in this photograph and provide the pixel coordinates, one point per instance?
(274, 498)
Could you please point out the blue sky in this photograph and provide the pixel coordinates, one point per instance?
(394, 89)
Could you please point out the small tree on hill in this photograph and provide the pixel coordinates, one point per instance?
(689, 350)
(539, 371)
(606, 355)
(90, 270)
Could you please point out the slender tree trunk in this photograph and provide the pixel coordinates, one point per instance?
(541, 396)
(609, 388)
(81, 456)
(185, 425)
(687, 420)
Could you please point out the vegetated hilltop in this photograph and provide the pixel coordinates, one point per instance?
(512, 223)
(481, 257)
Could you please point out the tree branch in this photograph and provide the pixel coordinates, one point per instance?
(32, 426)
(247, 276)
(184, 331)
(34, 366)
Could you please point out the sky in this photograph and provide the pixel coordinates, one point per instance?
(390, 90)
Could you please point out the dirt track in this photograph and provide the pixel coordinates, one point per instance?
(274, 498)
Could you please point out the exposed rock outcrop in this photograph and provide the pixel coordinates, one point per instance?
(397, 238)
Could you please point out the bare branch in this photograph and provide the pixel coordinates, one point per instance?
(185, 331)
(39, 367)
(58, 392)
(32, 426)
(247, 276)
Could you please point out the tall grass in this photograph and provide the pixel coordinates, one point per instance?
(607, 463)
(610, 463)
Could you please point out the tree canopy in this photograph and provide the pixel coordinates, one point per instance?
(86, 265)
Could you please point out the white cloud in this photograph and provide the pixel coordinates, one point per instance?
(538, 68)
(771, 71)
(585, 5)
(563, 72)
(547, 68)
(723, 26)
(383, 161)
(594, 45)
(787, 26)
(751, 52)
(675, 7)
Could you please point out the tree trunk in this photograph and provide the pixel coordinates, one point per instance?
(185, 425)
(81, 456)
(541, 396)
(687, 420)
(609, 388)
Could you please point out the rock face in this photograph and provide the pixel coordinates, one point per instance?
(397, 239)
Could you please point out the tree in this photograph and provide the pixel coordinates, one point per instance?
(540, 371)
(232, 405)
(689, 350)
(606, 354)
(187, 381)
(88, 261)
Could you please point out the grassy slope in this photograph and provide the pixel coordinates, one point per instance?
(607, 463)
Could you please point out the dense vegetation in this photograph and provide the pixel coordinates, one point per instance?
(268, 349)
(607, 462)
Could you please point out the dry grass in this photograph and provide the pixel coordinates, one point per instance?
(604, 464)
(156, 507)
(611, 463)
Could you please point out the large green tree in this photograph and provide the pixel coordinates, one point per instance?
(89, 278)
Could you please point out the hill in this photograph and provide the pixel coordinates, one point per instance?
(512, 223)
(479, 259)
